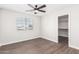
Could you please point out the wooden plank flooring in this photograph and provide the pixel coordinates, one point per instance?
(37, 46)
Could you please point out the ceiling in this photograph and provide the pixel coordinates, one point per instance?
(23, 7)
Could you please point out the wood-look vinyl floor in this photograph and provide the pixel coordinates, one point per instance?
(37, 46)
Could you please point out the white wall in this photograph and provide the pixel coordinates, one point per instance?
(74, 32)
(50, 25)
(8, 31)
(0, 24)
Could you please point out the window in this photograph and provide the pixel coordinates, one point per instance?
(23, 23)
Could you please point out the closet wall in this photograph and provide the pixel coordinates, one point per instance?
(63, 26)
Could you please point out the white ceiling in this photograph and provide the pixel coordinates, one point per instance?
(23, 7)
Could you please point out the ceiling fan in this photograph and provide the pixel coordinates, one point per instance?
(36, 9)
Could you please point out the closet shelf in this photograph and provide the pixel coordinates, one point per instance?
(62, 36)
(63, 28)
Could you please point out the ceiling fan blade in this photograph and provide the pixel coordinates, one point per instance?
(30, 5)
(41, 10)
(41, 6)
(29, 10)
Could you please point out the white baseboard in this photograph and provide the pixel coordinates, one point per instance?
(75, 47)
(18, 41)
(26, 40)
(50, 39)
(0, 45)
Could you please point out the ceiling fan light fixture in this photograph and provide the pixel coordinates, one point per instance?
(36, 11)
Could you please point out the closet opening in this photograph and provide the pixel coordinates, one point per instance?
(63, 30)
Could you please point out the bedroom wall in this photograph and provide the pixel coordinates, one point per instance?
(50, 25)
(0, 25)
(9, 33)
(74, 38)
